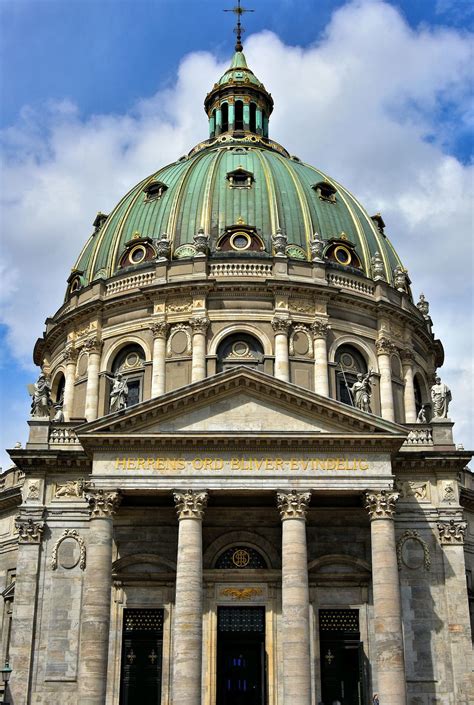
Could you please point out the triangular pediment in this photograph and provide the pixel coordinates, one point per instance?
(240, 402)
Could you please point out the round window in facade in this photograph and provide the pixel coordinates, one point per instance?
(137, 254)
(240, 241)
(342, 255)
(240, 349)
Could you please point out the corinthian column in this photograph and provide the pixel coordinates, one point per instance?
(158, 381)
(389, 659)
(409, 392)
(198, 365)
(95, 616)
(93, 347)
(187, 627)
(295, 598)
(70, 359)
(320, 329)
(451, 537)
(30, 532)
(281, 326)
(384, 350)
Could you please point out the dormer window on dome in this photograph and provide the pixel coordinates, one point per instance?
(154, 190)
(240, 238)
(325, 191)
(240, 178)
(137, 251)
(343, 252)
(75, 281)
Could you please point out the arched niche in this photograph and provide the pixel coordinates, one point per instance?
(241, 538)
(241, 328)
(240, 349)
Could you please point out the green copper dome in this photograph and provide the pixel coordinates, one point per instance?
(236, 177)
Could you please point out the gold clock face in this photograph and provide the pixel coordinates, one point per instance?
(240, 240)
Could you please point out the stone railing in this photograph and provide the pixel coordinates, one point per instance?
(346, 282)
(240, 269)
(420, 435)
(133, 281)
(62, 435)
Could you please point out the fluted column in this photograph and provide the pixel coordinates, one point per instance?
(187, 627)
(384, 351)
(30, 531)
(95, 615)
(158, 380)
(70, 359)
(94, 348)
(281, 326)
(409, 391)
(389, 658)
(320, 329)
(198, 365)
(293, 506)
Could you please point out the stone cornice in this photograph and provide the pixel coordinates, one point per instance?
(46, 460)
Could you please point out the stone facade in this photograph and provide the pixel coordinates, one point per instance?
(241, 511)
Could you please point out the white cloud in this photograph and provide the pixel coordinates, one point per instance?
(360, 103)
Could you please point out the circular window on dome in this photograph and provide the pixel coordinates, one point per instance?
(342, 255)
(240, 241)
(137, 254)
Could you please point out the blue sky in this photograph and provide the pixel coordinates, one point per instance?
(376, 93)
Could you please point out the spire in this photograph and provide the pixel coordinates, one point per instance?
(239, 30)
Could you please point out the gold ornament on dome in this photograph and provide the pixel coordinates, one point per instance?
(241, 558)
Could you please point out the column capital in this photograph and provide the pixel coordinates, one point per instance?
(159, 329)
(451, 533)
(70, 355)
(102, 504)
(281, 325)
(384, 346)
(381, 505)
(93, 345)
(200, 324)
(320, 328)
(190, 504)
(29, 530)
(407, 356)
(293, 504)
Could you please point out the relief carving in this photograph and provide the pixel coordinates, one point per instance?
(69, 534)
(413, 563)
(179, 306)
(182, 350)
(246, 593)
(302, 330)
(70, 489)
(412, 489)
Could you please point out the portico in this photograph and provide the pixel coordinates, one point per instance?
(273, 488)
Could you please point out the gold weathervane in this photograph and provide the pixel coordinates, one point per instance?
(239, 30)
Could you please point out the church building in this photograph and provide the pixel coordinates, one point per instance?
(240, 485)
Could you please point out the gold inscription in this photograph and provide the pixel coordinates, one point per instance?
(242, 464)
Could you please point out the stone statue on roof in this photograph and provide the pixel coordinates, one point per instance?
(440, 397)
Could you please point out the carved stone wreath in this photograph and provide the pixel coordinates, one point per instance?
(180, 328)
(412, 535)
(69, 534)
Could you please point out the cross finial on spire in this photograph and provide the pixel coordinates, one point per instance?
(239, 30)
